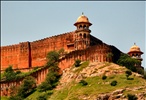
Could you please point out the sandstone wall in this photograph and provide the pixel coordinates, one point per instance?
(31, 54)
(10, 56)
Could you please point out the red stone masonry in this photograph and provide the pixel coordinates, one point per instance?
(31, 54)
(27, 55)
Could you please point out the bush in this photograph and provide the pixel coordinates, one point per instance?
(128, 62)
(42, 97)
(140, 71)
(15, 98)
(83, 82)
(27, 86)
(77, 63)
(131, 97)
(114, 83)
(128, 73)
(104, 77)
(44, 86)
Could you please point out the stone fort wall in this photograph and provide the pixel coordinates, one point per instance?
(27, 55)
(96, 53)
(31, 54)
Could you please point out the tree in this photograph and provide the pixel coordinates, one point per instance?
(9, 74)
(128, 62)
(52, 57)
(53, 75)
(27, 86)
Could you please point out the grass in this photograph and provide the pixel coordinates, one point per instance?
(81, 67)
(96, 85)
(4, 98)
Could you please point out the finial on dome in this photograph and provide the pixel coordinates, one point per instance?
(134, 43)
(82, 13)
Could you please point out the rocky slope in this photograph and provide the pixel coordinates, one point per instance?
(98, 89)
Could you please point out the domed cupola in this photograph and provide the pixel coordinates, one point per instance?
(82, 19)
(82, 33)
(135, 52)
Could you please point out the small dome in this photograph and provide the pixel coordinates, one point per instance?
(135, 48)
(83, 19)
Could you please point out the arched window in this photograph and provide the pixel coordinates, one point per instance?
(84, 26)
(80, 26)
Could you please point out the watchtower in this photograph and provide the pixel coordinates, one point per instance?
(82, 33)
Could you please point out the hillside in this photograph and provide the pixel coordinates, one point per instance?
(70, 88)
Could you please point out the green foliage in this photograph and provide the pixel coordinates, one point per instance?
(15, 98)
(114, 83)
(61, 51)
(52, 57)
(82, 66)
(9, 74)
(128, 62)
(53, 75)
(42, 97)
(83, 82)
(44, 86)
(140, 71)
(27, 86)
(128, 73)
(77, 63)
(131, 97)
(104, 77)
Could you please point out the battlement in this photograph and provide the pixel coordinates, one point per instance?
(10, 47)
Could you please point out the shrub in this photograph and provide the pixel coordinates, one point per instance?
(114, 83)
(104, 77)
(128, 62)
(83, 82)
(42, 97)
(140, 71)
(15, 98)
(77, 63)
(128, 73)
(131, 97)
(27, 86)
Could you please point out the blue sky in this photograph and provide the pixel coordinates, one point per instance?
(118, 23)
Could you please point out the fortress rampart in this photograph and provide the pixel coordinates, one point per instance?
(78, 44)
(27, 55)
(31, 54)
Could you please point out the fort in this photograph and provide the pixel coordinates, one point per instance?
(78, 44)
(27, 55)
